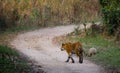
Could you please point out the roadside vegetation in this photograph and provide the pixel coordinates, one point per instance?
(13, 62)
(22, 15)
(43, 13)
(10, 61)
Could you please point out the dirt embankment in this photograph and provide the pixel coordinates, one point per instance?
(38, 46)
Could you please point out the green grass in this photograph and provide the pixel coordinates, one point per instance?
(108, 52)
(97, 41)
(8, 51)
(109, 57)
(12, 62)
(22, 28)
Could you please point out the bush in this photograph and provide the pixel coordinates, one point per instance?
(111, 15)
(12, 62)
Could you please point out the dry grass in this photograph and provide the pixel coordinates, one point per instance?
(47, 12)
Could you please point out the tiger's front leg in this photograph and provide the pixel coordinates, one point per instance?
(70, 57)
(72, 60)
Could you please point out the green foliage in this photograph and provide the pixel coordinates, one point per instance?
(77, 31)
(9, 66)
(109, 57)
(2, 24)
(97, 41)
(12, 62)
(7, 50)
(111, 14)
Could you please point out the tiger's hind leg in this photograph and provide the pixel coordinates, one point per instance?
(80, 54)
(81, 58)
(71, 57)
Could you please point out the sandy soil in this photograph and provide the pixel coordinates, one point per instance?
(38, 46)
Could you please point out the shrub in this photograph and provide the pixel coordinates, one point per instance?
(111, 15)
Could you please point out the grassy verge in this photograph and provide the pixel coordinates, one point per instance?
(22, 28)
(108, 52)
(12, 62)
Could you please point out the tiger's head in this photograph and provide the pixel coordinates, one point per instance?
(65, 46)
(62, 47)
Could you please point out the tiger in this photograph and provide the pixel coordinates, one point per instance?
(73, 48)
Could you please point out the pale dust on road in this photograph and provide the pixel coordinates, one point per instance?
(38, 46)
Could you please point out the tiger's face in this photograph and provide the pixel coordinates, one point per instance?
(62, 47)
(65, 46)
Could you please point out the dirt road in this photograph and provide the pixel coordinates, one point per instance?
(38, 46)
